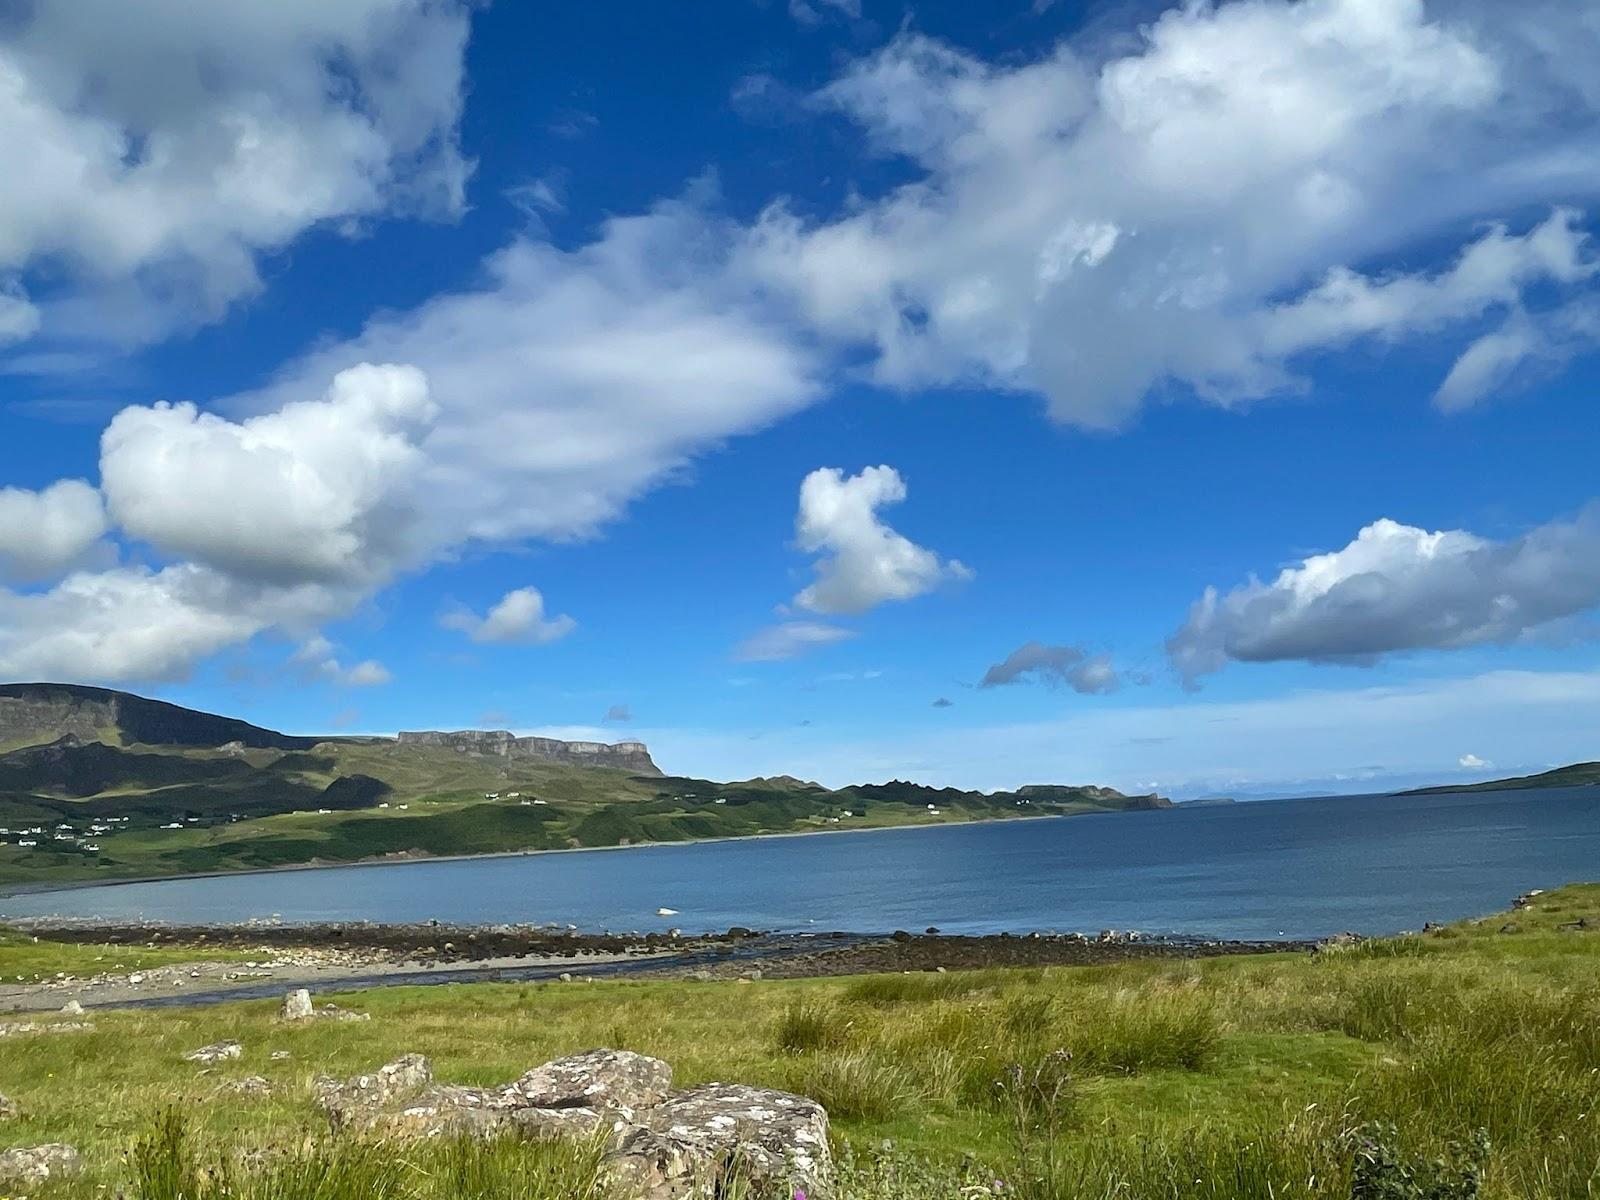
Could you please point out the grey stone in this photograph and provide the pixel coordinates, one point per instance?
(214, 1053)
(28, 1166)
(297, 1006)
(72, 1009)
(8, 1108)
(684, 1146)
(356, 1101)
(595, 1079)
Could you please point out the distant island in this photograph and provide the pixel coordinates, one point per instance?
(1574, 775)
(97, 784)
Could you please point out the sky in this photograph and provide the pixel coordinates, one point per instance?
(1193, 398)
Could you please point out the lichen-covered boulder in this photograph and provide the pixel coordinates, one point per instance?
(8, 1108)
(297, 1006)
(214, 1053)
(599, 1079)
(357, 1100)
(30, 1166)
(685, 1145)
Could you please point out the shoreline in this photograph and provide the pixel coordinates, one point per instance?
(8, 891)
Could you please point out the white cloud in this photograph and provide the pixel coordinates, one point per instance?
(812, 12)
(1397, 588)
(864, 563)
(168, 145)
(319, 660)
(1203, 207)
(19, 318)
(519, 618)
(1071, 666)
(1471, 762)
(789, 639)
(319, 490)
(134, 623)
(44, 534)
(572, 381)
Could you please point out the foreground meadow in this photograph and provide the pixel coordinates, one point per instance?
(1460, 1062)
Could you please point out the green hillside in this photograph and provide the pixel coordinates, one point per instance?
(75, 806)
(1575, 775)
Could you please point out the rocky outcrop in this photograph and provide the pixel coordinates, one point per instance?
(30, 1166)
(660, 1144)
(626, 756)
(8, 1108)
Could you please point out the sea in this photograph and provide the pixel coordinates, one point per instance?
(1302, 868)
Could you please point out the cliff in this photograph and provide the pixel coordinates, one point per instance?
(624, 756)
(34, 714)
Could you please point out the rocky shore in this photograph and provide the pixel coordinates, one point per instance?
(353, 956)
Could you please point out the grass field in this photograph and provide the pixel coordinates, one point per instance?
(1465, 1058)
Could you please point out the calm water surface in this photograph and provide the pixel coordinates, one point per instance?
(1302, 868)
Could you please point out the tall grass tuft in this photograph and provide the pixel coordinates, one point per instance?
(807, 1025)
(858, 1085)
(1143, 1031)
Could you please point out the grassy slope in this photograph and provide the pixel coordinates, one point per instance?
(1575, 775)
(1227, 1078)
(446, 812)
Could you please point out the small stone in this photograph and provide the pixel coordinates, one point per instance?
(900, 935)
(250, 1085)
(565, 977)
(297, 1006)
(279, 1055)
(214, 1053)
(8, 1108)
(72, 1009)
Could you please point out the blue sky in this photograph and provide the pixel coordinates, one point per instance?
(1198, 399)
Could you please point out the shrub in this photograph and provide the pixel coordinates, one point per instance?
(1382, 1171)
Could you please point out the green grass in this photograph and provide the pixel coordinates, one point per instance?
(26, 959)
(1285, 1076)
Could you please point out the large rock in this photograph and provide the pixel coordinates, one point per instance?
(8, 1108)
(30, 1166)
(604, 1079)
(357, 1100)
(686, 1145)
(297, 1006)
(214, 1053)
(660, 1145)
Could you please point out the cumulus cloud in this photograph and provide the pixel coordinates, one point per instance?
(944, 702)
(518, 619)
(167, 146)
(789, 639)
(1397, 588)
(1064, 666)
(619, 712)
(1471, 762)
(573, 380)
(319, 660)
(46, 533)
(135, 623)
(864, 563)
(1203, 205)
(318, 490)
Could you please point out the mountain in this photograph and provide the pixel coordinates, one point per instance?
(33, 713)
(98, 784)
(1575, 775)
